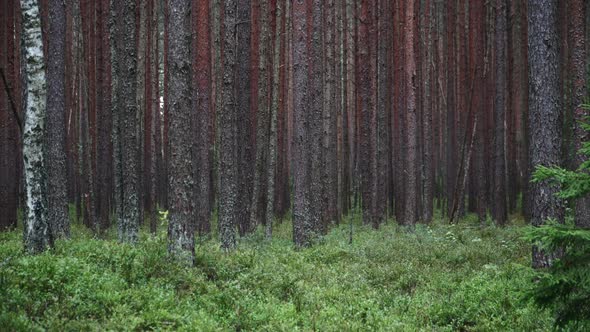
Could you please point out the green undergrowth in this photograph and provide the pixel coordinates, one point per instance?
(440, 277)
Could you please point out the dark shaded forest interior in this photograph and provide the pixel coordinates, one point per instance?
(339, 124)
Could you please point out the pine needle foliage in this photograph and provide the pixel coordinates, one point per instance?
(565, 286)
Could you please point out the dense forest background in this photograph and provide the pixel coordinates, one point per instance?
(294, 164)
(270, 109)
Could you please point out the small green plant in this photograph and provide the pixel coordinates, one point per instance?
(565, 286)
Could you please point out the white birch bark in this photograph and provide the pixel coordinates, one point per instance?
(37, 235)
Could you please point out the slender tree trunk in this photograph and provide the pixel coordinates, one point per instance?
(202, 103)
(228, 168)
(451, 145)
(302, 218)
(57, 204)
(500, 107)
(410, 214)
(365, 107)
(181, 191)
(37, 231)
(272, 143)
(245, 104)
(125, 119)
(104, 159)
(262, 120)
(9, 125)
(578, 70)
(149, 212)
(427, 110)
(544, 114)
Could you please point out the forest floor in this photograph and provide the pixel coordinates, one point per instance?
(440, 277)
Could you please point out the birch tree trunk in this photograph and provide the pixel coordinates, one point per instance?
(37, 233)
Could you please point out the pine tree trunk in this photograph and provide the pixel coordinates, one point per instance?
(544, 114)
(578, 70)
(202, 100)
(315, 111)
(427, 110)
(125, 119)
(9, 125)
(228, 168)
(385, 46)
(181, 180)
(302, 218)
(57, 204)
(257, 212)
(104, 159)
(272, 139)
(500, 107)
(410, 214)
(245, 108)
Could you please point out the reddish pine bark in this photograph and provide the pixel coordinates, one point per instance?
(202, 104)
(451, 135)
(104, 125)
(9, 131)
(410, 29)
(500, 107)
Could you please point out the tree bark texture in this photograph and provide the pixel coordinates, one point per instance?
(37, 231)
(125, 120)
(544, 113)
(181, 180)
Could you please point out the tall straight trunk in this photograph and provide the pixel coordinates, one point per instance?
(427, 110)
(451, 144)
(228, 167)
(57, 204)
(272, 138)
(104, 125)
(155, 110)
(216, 91)
(37, 231)
(125, 119)
(148, 208)
(328, 157)
(245, 104)
(339, 189)
(365, 107)
(476, 54)
(9, 125)
(282, 193)
(410, 209)
(384, 80)
(350, 109)
(257, 211)
(141, 41)
(544, 114)
(202, 104)
(578, 70)
(397, 141)
(159, 142)
(500, 107)
(181, 244)
(302, 218)
(315, 111)
(166, 112)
